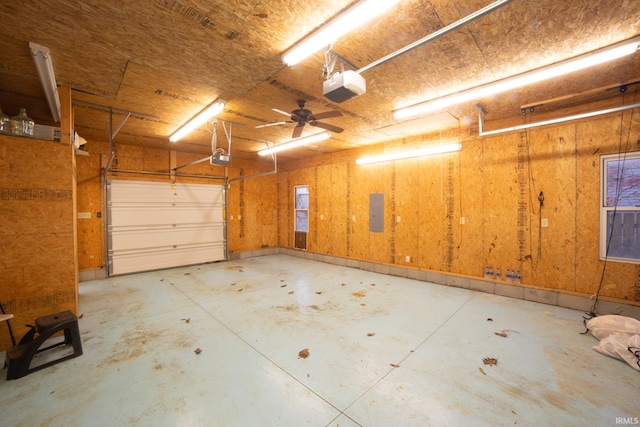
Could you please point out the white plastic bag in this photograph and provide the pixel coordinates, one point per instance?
(621, 347)
(603, 326)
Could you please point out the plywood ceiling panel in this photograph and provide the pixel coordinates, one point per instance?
(166, 59)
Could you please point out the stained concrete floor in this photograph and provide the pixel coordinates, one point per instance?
(383, 351)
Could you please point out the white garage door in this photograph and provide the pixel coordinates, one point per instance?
(155, 225)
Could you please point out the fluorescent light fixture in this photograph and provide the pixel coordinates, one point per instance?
(348, 20)
(580, 62)
(428, 151)
(208, 112)
(42, 58)
(296, 143)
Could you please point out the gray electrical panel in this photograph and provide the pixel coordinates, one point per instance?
(376, 212)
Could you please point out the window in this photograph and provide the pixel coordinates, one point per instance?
(620, 207)
(301, 207)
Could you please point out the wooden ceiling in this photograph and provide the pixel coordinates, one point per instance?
(164, 60)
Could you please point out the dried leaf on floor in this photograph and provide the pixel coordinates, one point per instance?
(240, 290)
(395, 365)
(186, 274)
(501, 334)
(197, 350)
(359, 294)
(319, 292)
(290, 292)
(363, 304)
(370, 334)
(344, 284)
(233, 284)
(283, 286)
(482, 371)
(187, 320)
(282, 280)
(81, 316)
(489, 319)
(373, 284)
(490, 361)
(303, 353)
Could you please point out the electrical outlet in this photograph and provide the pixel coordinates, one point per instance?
(544, 222)
(407, 259)
(398, 218)
(462, 220)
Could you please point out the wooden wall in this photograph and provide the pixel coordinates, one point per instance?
(493, 183)
(38, 258)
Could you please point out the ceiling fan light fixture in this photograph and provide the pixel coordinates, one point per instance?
(421, 152)
(342, 24)
(207, 113)
(580, 62)
(42, 59)
(317, 137)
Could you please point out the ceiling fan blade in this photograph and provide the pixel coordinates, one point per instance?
(327, 126)
(272, 124)
(297, 131)
(327, 114)
(281, 112)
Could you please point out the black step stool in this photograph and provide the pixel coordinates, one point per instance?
(19, 357)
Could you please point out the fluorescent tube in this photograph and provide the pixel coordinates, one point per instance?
(42, 59)
(347, 21)
(428, 151)
(295, 143)
(586, 60)
(208, 112)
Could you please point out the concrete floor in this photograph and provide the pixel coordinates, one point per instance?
(383, 351)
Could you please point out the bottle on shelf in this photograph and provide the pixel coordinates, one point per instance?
(5, 123)
(22, 125)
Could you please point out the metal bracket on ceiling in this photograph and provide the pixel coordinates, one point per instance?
(111, 110)
(330, 59)
(481, 111)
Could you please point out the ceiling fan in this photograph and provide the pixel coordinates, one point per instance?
(302, 116)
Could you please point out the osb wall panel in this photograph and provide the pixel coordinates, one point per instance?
(269, 207)
(500, 199)
(378, 181)
(603, 136)
(38, 261)
(407, 210)
(338, 206)
(90, 199)
(468, 237)
(358, 209)
(432, 207)
(494, 183)
(553, 172)
(323, 196)
(252, 211)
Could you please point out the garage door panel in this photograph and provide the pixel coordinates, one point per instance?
(158, 225)
(134, 261)
(130, 216)
(125, 239)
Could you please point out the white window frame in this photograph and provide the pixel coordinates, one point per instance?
(302, 210)
(619, 210)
